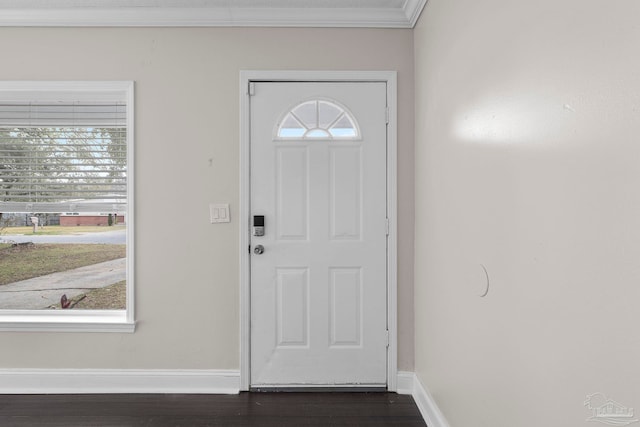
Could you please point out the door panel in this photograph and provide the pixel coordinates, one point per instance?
(292, 176)
(346, 306)
(346, 191)
(318, 292)
(293, 307)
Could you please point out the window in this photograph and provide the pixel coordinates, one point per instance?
(66, 211)
(318, 119)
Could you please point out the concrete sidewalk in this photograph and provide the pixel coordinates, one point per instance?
(44, 291)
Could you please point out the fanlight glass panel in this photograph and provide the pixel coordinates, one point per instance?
(318, 119)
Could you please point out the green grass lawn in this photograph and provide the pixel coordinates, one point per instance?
(55, 230)
(27, 261)
(112, 297)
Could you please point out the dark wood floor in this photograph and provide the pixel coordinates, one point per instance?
(245, 409)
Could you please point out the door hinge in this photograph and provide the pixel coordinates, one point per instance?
(387, 331)
(252, 88)
(387, 226)
(386, 115)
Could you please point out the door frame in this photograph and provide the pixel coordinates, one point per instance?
(246, 78)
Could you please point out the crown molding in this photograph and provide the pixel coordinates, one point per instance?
(412, 10)
(360, 17)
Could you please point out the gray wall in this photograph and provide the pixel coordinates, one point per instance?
(527, 153)
(187, 112)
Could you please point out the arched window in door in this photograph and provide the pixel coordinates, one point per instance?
(318, 119)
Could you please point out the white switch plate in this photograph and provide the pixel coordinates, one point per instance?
(219, 212)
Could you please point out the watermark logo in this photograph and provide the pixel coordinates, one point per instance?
(608, 411)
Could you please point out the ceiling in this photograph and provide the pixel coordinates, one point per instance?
(212, 13)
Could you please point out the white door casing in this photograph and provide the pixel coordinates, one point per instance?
(319, 297)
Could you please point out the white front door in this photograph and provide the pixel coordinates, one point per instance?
(318, 274)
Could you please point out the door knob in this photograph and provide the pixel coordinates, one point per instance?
(258, 250)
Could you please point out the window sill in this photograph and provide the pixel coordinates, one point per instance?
(66, 321)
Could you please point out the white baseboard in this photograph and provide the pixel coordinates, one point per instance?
(405, 382)
(94, 381)
(408, 383)
(109, 381)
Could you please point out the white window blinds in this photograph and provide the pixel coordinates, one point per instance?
(63, 150)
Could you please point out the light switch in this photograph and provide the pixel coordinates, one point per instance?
(219, 212)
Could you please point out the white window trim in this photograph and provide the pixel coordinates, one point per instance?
(84, 320)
